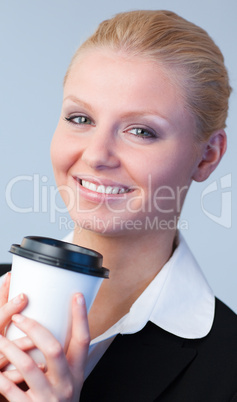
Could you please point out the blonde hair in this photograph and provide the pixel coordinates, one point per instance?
(184, 48)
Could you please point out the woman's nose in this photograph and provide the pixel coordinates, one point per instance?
(100, 152)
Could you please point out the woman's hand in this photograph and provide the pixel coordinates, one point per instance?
(63, 376)
(16, 305)
(7, 309)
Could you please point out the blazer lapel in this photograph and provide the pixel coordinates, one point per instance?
(138, 367)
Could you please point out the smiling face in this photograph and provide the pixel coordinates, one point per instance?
(124, 148)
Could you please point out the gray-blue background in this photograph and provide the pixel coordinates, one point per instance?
(37, 40)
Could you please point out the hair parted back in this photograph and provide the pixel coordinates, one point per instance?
(185, 49)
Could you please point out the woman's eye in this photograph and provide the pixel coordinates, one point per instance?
(142, 132)
(78, 120)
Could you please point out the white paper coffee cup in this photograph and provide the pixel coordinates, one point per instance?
(49, 272)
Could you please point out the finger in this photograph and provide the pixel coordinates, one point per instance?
(57, 364)
(26, 366)
(24, 343)
(11, 391)
(80, 340)
(4, 290)
(16, 376)
(12, 307)
(58, 374)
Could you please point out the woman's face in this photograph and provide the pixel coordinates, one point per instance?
(123, 152)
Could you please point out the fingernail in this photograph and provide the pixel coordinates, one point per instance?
(17, 318)
(19, 299)
(80, 299)
(42, 366)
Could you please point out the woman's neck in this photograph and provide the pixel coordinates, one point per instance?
(133, 262)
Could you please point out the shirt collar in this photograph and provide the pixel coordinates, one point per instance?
(178, 300)
(186, 303)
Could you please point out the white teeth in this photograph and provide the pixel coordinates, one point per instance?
(115, 190)
(102, 189)
(109, 190)
(92, 187)
(85, 183)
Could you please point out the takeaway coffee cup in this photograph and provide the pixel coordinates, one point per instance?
(49, 272)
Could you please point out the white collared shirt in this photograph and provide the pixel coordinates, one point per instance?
(178, 300)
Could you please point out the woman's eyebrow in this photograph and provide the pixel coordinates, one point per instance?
(79, 102)
(147, 113)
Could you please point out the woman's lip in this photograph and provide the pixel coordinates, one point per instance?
(100, 181)
(97, 197)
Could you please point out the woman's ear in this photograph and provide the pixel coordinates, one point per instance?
(212, 152)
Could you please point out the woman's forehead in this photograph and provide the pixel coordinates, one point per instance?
(104, 80)
(97, 63)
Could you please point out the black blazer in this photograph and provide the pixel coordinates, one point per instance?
(4, 268)
(154, 365)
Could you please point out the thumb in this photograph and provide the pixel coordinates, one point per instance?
(80, 337)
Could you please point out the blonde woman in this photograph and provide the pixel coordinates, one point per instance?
(144, 110)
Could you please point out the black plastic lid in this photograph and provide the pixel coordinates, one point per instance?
(61, 254)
